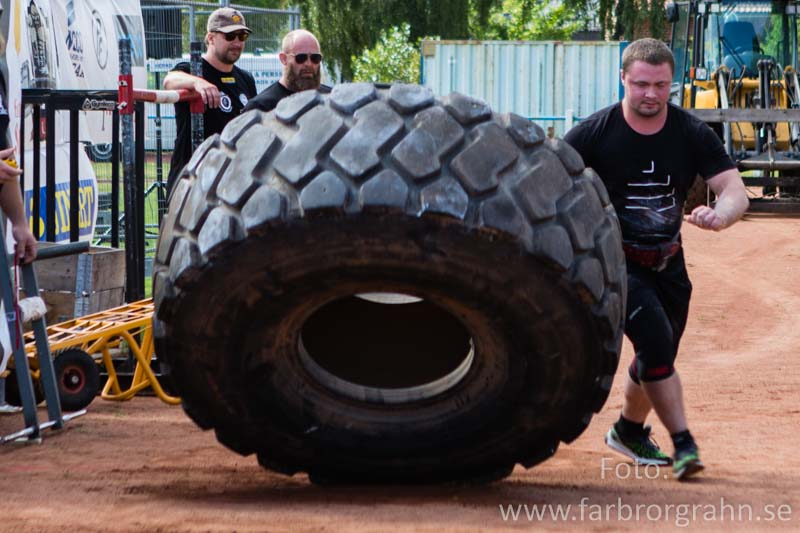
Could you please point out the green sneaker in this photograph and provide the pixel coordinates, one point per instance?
(641, 449)
(687, 463)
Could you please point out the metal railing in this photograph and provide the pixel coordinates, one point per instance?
(51, 101)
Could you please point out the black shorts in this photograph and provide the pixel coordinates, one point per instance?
(657, 309)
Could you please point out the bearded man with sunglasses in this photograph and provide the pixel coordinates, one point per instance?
(302, 61)
(224, 87)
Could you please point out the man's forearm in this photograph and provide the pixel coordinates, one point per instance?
(731, 205)
(11, 204)
(731, 201)
(179, 80)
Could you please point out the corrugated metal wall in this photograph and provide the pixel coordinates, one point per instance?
(539, 80)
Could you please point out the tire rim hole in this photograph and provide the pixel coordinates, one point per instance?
(385, 347)
(73, 379)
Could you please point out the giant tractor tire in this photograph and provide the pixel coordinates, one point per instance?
(377, 285)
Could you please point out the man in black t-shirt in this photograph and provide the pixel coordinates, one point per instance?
(301, 59)
(648, 152)
(224, 87)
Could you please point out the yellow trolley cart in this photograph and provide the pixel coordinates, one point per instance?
(79, 345)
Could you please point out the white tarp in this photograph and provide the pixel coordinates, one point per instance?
(69, 44)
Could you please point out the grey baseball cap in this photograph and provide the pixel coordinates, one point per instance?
(226, 20)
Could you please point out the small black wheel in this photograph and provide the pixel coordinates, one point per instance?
(78, 379)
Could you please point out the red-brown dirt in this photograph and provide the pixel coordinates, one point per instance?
(143, 466)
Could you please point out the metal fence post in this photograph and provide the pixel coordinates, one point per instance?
(50, 173)
(192, 30)
(138, 145)
(74, 178)
(115, 158)
(198, 133)
(162, 201)
(133, 283)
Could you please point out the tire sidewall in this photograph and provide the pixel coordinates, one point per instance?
(518, 369)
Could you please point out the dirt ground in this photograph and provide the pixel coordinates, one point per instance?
(143, 466)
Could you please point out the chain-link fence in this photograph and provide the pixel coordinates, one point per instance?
(170, 26)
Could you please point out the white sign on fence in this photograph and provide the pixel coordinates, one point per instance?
(67, 44)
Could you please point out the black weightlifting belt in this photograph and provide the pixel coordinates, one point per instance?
(653, 256)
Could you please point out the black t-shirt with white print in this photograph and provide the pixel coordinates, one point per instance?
(648, 176)
(235, 88)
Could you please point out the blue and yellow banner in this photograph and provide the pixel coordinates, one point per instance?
(87, 204)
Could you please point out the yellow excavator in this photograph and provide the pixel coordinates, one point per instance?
(736, 68)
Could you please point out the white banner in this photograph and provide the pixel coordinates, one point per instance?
(68, 44)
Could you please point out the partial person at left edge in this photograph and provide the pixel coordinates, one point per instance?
(11, 202)
(10, 195)
(224, 87)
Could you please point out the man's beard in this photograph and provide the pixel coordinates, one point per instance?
(228, 58)
(296, 83)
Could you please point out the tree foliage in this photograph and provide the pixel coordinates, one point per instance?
(346, 27)
(625, 19)
(270, 4)
(393, 58)
(531, 20)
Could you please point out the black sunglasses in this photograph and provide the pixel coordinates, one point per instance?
(301, 58)
(242, 35)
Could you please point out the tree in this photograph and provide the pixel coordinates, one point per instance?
(393, 58)
(625, 19)
(532, 20)
(345, 27)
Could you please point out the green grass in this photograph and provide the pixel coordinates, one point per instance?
(151, 214)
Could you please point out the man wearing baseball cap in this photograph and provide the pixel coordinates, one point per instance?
(224, 87)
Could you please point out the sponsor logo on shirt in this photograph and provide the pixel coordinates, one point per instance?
(225, 103)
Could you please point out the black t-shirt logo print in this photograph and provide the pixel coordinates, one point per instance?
(225, 103)
(652, 198)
